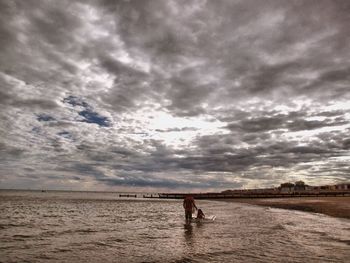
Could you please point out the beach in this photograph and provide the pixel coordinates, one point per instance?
(332, 206)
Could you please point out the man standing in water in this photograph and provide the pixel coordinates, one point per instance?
(189, 206)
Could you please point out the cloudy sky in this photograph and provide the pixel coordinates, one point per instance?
(173, 95)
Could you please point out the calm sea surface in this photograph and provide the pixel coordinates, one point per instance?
(101, 227)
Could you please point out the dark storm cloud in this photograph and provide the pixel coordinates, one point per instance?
(186, 92)
(269, 77)
(130, 85)
(141, 171)
(337, 140)
(228, 160)
(82, 83)
(40, 39)
(84, 169)
(140, 24)
(166, 183)
(8, 151)
(164, 159)
(300, 124)
(338, 79)
(258, 124)
(292, 122)
(10, 98)
(289, 40)
(266, 152)
(304, 150)
(127, 74)
(35, 103)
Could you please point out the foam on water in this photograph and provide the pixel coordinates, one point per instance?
(101, 227)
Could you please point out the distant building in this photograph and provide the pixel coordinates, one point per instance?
(342, 186)
(290, 188)
(287, 188)
(332, 187)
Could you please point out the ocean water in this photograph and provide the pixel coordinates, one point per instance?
(101, 227)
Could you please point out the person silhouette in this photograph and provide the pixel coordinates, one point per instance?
(189, 206)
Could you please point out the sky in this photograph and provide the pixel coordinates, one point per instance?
(177, 96)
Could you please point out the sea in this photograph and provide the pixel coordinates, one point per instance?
(63, 226)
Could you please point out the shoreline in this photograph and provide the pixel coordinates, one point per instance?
(331, 206)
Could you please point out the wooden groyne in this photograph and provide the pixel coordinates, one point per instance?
(151, 196)
(127, 195)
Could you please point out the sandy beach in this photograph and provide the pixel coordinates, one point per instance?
(332, 206)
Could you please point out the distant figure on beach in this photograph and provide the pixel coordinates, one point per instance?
(200, 214)
(189, 206)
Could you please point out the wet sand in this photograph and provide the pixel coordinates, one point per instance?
(332, 206)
